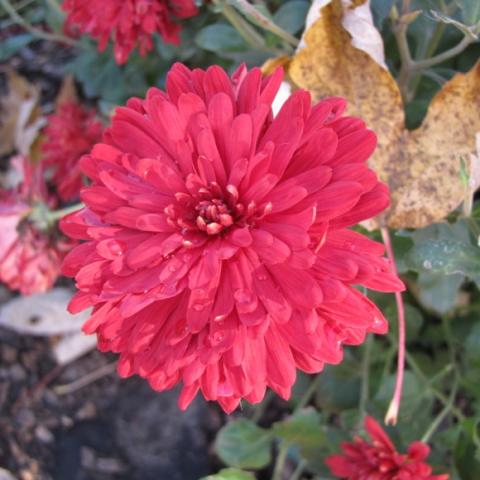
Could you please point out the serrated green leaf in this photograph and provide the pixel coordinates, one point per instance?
(291, 15)
(243, 444)
(220, 37)
(230, 474)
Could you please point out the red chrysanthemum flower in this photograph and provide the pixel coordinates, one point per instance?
(129, 23)
(30, 254)
(70, 133)
(217, 253)
(379, 460)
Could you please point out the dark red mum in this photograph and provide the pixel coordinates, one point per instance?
(70, 133)
(129, 23)
(217, 252)
(379, 460)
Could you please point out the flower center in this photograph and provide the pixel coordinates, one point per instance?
(214, 215)
(212, 210)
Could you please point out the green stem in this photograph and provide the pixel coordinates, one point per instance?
(299, 470)
(59, 214)
(307, 396)
(442, 415)
(250, 11)
(260, 409)
(428, 383)
(33, 30)
(446, 55)
(280, 462)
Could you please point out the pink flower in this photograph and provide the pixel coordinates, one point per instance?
(30, 254)
(129, 23)
(216, 251)
(70, 133)
(379, 460)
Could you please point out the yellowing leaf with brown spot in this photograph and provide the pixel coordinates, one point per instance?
(421, 167)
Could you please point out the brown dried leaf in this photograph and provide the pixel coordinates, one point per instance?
(20, 120)
(421, 167)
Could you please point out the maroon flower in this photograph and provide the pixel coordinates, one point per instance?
(30, 250)
(379, 460)
(70, 133)
(216, 251)
(129, 23)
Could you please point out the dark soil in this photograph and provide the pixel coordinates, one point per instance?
(111, 429)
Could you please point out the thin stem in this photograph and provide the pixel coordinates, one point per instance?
(446, 55)
(58, 214)
(307, 396)
(243, 28)
(297, 473)
(249, 10)
(392, 412)
(428, 383)
(260, 409)
(30, 28)
(442, 415)
(86, 380)
(365, 377)
(280, 462)
(400, 32)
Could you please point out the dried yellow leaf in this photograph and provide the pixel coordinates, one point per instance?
(422, 167)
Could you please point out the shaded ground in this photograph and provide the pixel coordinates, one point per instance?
(111, 429)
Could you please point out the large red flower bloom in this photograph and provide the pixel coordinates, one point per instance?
(70, 133)
(217, 253)
(30, 254)
(379, 460)
(129, 23)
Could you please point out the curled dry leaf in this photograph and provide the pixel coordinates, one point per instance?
(422, 167)
(20, 119)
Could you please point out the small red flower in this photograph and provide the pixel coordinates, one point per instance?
(30, 254)
(216, 251)
(70, 133)
(379, 460)
(129, 23)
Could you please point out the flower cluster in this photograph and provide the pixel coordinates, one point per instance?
(379, 460)
(30, 251)
(129, 23)
(70, 133)
(216, 246)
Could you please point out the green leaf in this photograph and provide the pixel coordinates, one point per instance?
(230, 474)
(220, 37)
(470, 11)
(242, 444)
(381, 9)
(303, 429)
(467, 449)
(445, 256)
(291, 15)
(11, 45)
(339, 386)
(413, 320)
(439, 292)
